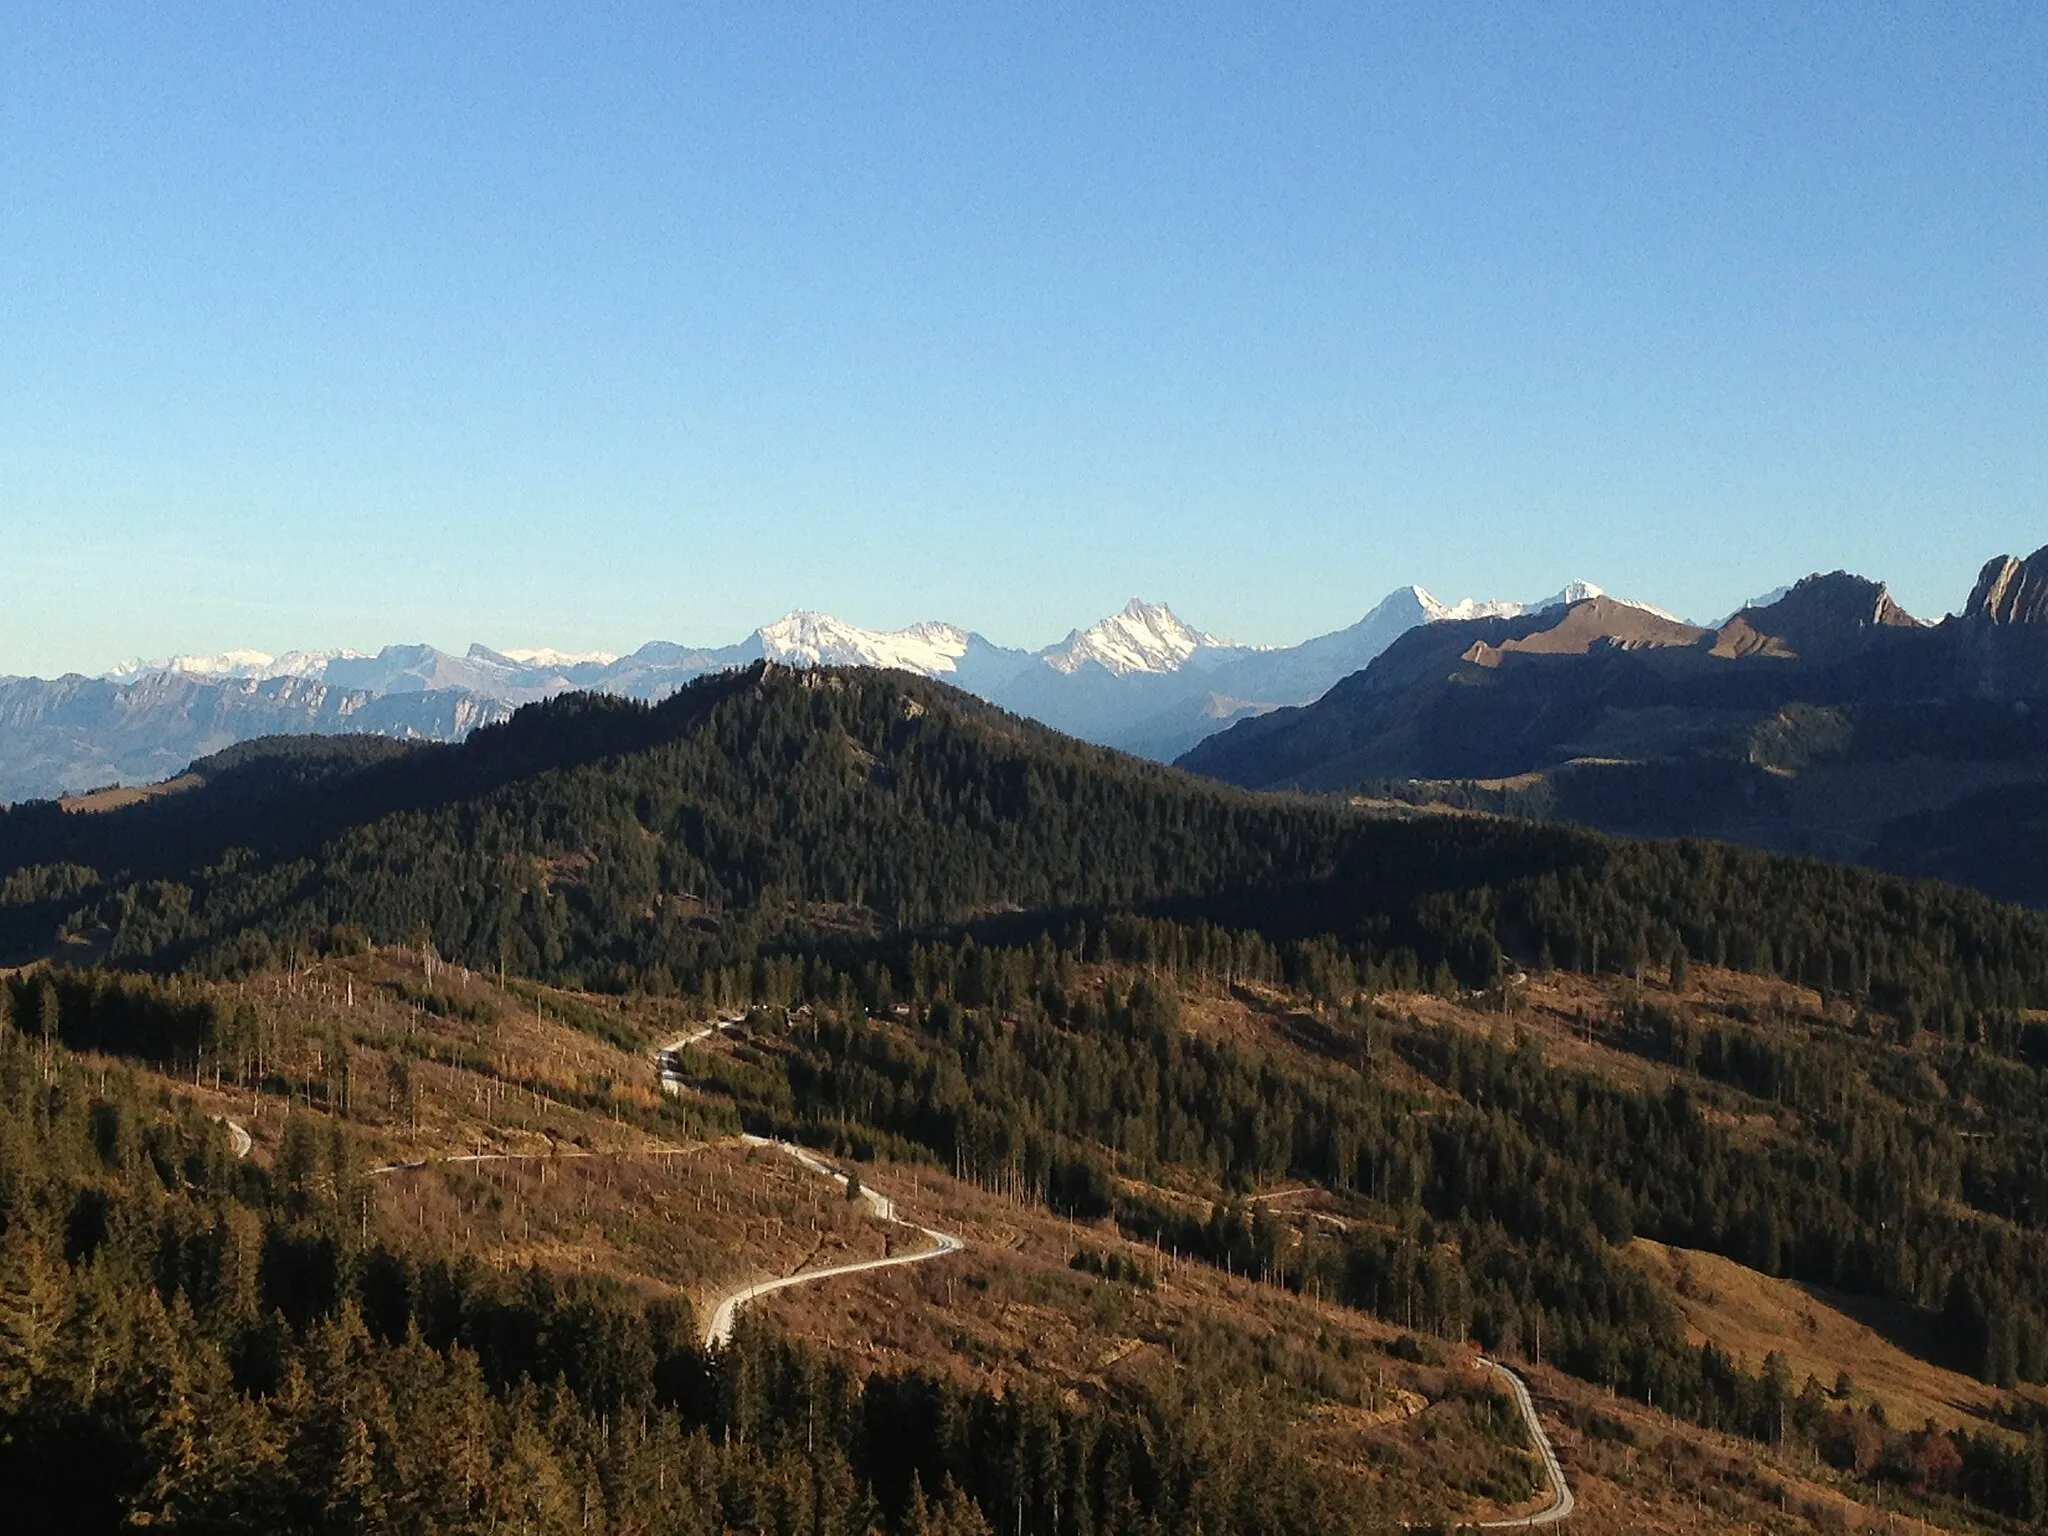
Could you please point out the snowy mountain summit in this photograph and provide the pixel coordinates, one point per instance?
(1435, 611)
(1581, 591)
(260, 666)
(1141, 680)
(547, 656)
(1144, 637)
(809, 639)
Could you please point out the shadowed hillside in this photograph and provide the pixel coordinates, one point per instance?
(1827, 722)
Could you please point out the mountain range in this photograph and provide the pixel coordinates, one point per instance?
(1141, 680)
(1826, 721)
(1820, 719)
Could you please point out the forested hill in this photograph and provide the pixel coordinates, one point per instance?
(621, 845)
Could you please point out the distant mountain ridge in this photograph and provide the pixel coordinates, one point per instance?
(1141, 637)
(78, 733)
(1142, 679)
(1500, 695)
(1821, 719)
(596, 838)
(1826, 721)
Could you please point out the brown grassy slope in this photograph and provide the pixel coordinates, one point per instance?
(694, 1223)
(1748, 1315)
(118, 796)
(582, 1173)
(1010, 1311)
(1403, 1438)
(568, 1187)
(496, 1070)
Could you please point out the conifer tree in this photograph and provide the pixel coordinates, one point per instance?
(32, 1311)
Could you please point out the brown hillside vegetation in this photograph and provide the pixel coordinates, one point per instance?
(115, 797)
(1400, 1433)
(1749, 1315)
(522, 1128)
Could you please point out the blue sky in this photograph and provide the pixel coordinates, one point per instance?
(340, 325)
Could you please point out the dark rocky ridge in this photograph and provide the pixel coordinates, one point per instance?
(1828, 722)
(2011, 591)
(1822, 619)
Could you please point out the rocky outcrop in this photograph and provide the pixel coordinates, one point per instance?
(1595, 624)
(2011, 591)
(1823, 619)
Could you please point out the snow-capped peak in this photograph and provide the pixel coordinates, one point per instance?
(1574, 592)
(808, 639)
(226, 664)
(1502, 608)
(1144, 637)
(1579, 591)
(260, 665)
(1437, 610)
(545, 656)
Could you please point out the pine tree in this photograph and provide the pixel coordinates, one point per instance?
(528, 1491)
(354, 1500)
(32, 1310)
(172, 1441)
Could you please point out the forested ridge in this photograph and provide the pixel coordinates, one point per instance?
(604, 843)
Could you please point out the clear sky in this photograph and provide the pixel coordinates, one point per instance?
(348, 324)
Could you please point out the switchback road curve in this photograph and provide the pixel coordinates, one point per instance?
(1562, 1500)
(719, 1331)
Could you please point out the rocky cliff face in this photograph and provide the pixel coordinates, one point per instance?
(2011, 591)
(1998, 644)
(1823, 619)
(1494, 699)
(77, 733)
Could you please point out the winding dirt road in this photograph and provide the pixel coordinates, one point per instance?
(723, 1316)
(719, 1332)
(1562, 1500)
(670, 1069)
(884, 1209)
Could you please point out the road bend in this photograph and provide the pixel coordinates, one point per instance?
(719, 1333)
(673, 1079)
(669, 1067)
(1562, 1501)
